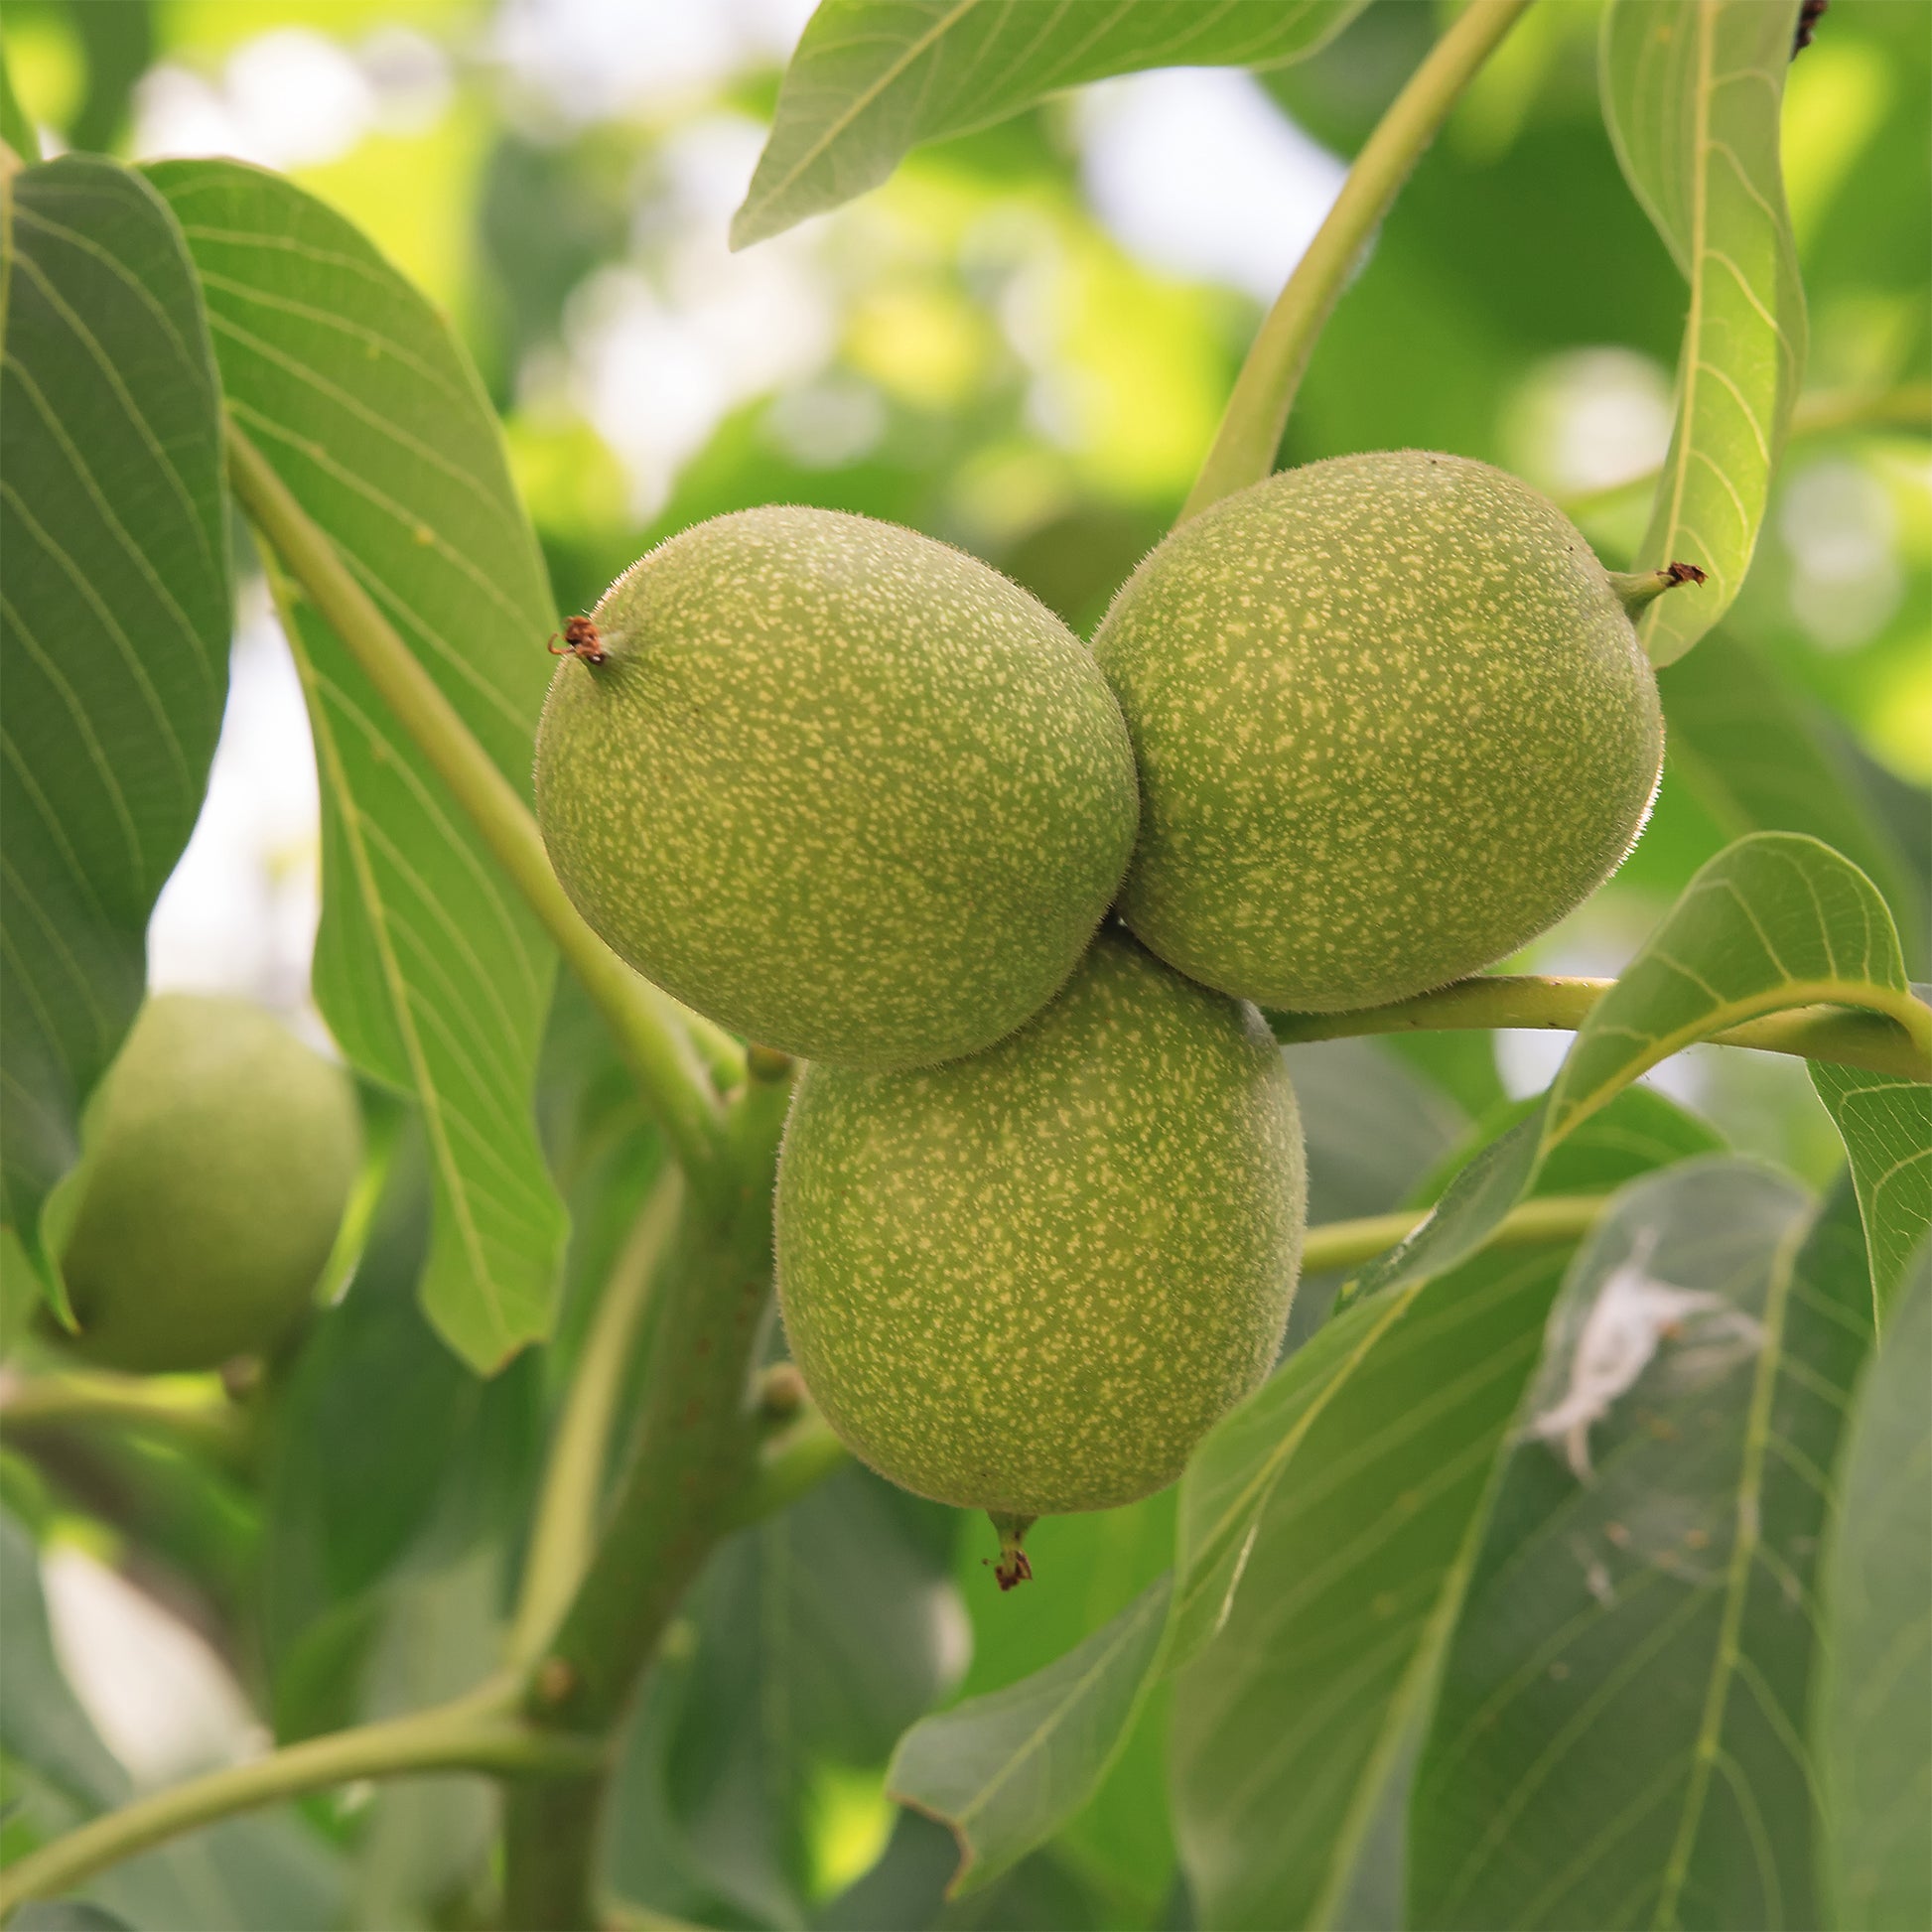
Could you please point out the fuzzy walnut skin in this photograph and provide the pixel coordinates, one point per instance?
(843, 788)
(1391, 721)
(221, 1155)
(1031, 1280)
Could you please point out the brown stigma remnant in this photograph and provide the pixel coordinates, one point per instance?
(1684, 573)
(581, 640)
(1012, 1568)
(1809, 15)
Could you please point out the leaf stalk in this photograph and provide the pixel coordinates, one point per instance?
(572, 1498)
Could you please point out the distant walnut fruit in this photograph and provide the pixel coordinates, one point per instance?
(220, 1160)
(1392, 721)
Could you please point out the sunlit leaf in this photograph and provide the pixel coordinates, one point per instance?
(429, 968)
(1008, 1769)
(15, 128)
(41, 1722)
(1776, 920)
(1295, 1729)
(114, 630)
(1875, 1729)
(1692, 93)
(1620, 1737)
(873, 78)
(1887, 1126)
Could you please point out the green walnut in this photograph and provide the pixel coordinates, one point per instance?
(1392, 721)
(221, 1154)
(842, 788)
(1031, 1280)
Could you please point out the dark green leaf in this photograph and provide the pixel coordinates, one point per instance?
(1008, 1769)
(1874, 1712)
(1087, 1568)
(1887, 1126)
(432, 973)
(117, 37)
(1756, 756)
(382, 1447)
(238, 1876)
(1618, 1741)
(1692, 93)
(114, 630)
(819, 1636)
(1295, 1729)
(873, 78)
(241, 1874)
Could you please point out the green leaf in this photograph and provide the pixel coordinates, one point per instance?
(1887, 1126)
(872, 79)
(1692, 93)
(1754, 754)
(1007, 1770)
(1775, 922)
(1296, 1729)
(1874, 1710)
(1618, 1739)
(114, 630)
(821, 1634)
(432, 973)
(65, 1915)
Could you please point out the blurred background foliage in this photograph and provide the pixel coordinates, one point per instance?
(1021, 344)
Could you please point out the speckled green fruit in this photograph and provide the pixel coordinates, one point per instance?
(1392, 721)
(1031, 1280)
(846, 790)
(220, 1159)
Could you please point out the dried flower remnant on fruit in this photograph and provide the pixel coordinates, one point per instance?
(1809, 15)
(581, 640)
(1631, 1314)
(1013, 1565)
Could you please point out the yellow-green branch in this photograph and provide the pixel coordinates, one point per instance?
(480, 1732)
(198, 1414)
(1264, 393)
(1530, 1001)
(572, 1498)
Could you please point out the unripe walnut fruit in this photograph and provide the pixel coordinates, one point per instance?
(843, 789)
(1030, 1280)
(1392, 721)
